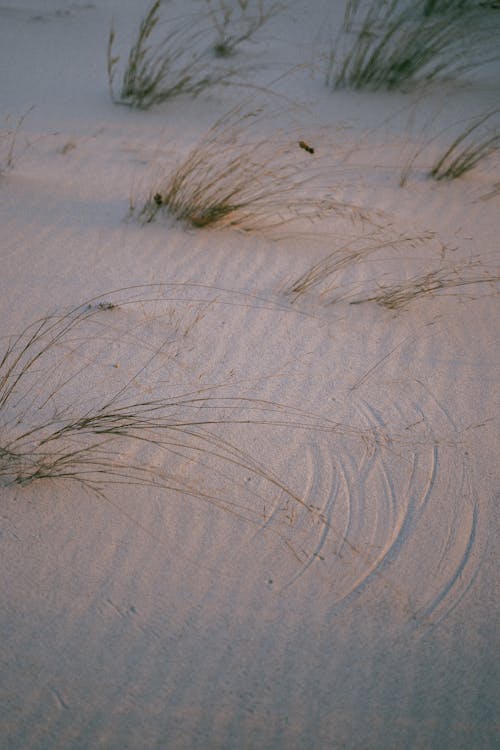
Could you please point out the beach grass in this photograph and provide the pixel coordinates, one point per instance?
(473, 145)
(237, 21)
(110, 437)
(9, 142)
(399, 295)
(169, 58)
(240, 176)
(322, 276)
(389, 44)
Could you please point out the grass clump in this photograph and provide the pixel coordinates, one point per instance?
(389, 44)
(169, 58)
(67, 415)
(467, 150)
(7, 145)
(495, 190)
(475, 144)
(321, 276)
(447, 6)
(237, 21)
(238, 176)
(400, 295)
(8, 142)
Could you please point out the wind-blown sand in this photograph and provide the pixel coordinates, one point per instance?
(317, 568)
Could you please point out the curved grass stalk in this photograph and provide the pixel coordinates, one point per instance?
(389, 44)
(8, 141)
(237, 21)
(465, 152)
(325, 270)
(400, 295)
(163, 64)
(46, 435)
(239, 177)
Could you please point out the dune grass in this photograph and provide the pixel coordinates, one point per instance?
(237, 21)
(8, 142)
(446, 6)
(493, 193)
(321, 277)
(7, 145)
(398, 296)
(239, 176)
(474, 145)
(50, 432)
(169, 58)
(189, 444)
(390, 44)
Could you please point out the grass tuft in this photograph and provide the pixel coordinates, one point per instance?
(389, 44)
(400, 295)
(238, 176)
(470, 148)
(322, 275)
(8, 143)
(169, 58)
(237, 21)
(431, 7)
(52, 429)
(473, 145)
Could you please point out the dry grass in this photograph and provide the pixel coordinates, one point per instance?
(174, 444)
(495, 190)
(400, 295)
(431, 7)
(475, 144)
(169, 58)
(238, 176)
(472, 146)
(388, 44)
(49, 431)
(8, 142)
(322, 275)
(237, 21)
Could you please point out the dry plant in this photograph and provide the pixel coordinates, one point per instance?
(7, 145)
(447, 6)
(322, 275)
(388, 44)
(163, 64)
(492, 193)
(473, 145)
(8, 142)
(238, 176)
(237, 21)
(468, 149)
(50, 431)
(175, 443)
(398, 296)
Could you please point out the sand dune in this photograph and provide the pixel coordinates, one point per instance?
(238, 510)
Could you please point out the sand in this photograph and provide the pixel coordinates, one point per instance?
(310, 563)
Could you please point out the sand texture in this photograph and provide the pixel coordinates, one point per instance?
(248, 467)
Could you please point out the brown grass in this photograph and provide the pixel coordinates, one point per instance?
(400, 295)
(239, 176)
(168, 58)
(237, 21)
(8, 142)
(46, 433)
(321, 276)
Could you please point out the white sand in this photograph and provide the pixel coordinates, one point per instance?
(339, 588)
